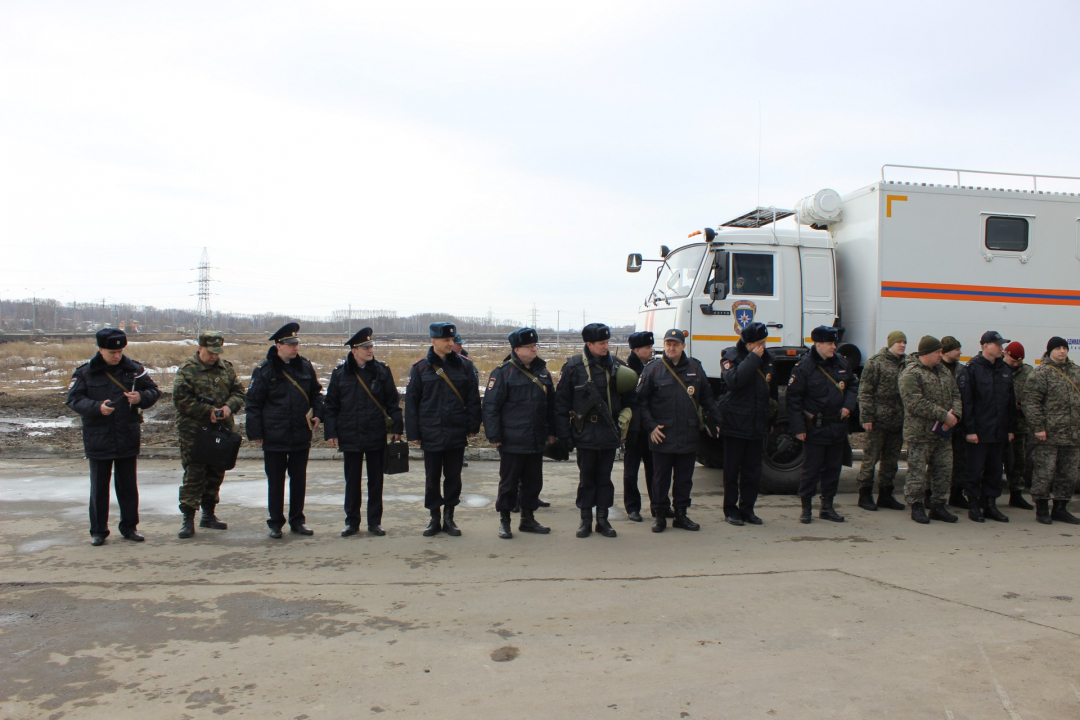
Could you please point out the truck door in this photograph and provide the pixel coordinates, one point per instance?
(756, 285)
(818, 289)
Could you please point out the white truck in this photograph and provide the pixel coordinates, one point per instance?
(921, 257)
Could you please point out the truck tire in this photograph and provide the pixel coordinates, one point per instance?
(781, 464)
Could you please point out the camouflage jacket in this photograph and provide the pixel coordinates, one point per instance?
(879, 391)
(929, 394)
(218, 381)
(1052, 404)
(1020, 377)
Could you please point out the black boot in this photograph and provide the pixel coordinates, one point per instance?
(683, 521)
(990, 510)
(918, 514)
(1016, 500)
(187, 529)
(866, 502)
(634, 515)
(734, 518)
(659, 523)
(504, 525)
(957, 500)
(584, 528)
(1042, 512)
(974, 511)
(827, 512)
(602, 525)
(209, 520)
(434, 527)
(807, 510)
(1062, 514)
(750, 517)
(448, 523)
(938, 512)
(528, 523)
(886, 500)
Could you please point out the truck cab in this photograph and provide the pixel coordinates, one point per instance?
(748, 271)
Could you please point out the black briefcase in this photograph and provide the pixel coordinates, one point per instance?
(397, 458)
(216, 447)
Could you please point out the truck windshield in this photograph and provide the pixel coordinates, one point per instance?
(679, 271)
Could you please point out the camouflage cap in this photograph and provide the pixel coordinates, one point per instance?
(212, 341)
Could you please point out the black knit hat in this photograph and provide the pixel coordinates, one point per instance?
(1056, 342)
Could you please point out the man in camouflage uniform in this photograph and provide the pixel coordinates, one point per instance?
(206, 391)
(1018, 460)
(931, 400)
(1052, 404)
(882, 412)
(950, 360)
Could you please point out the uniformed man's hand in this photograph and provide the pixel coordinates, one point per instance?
(415, 442)
(868, 426)
(497, 444)
(973, 439)
(950, 420)
(107, 409)
(801, 437)
(134, 397)
(332, 442)
(844, 412)
(656, 435)
(758, 348)
(551, 439)
(1012, 437)
(395, 438)
(1041, 435)
(472, 435)
(315, 422)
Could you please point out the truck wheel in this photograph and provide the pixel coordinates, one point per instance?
(782, 462)
(711, 452)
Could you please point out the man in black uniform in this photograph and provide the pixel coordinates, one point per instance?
(519, 419)
(747, 415)
(988, 424)
(637, 442)
(822, 393)
(588, 418)
(110, 392)
(284, 406)
(442, 411)
(362, 406)
(677, 405)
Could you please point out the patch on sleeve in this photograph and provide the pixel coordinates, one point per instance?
(71, 384)
(791, 380)
(491, 382)
(726, 364)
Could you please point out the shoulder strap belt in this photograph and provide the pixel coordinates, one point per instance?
(441, 372)
(1055, 369)
(831, 379)
(307, 415)
(377, 403)
(693, 400)
(529, 375)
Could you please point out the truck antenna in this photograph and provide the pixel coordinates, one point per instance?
(759, 152)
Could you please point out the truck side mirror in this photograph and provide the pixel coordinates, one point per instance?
(633, 263)
(719, 276)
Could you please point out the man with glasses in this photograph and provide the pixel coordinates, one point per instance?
(284, 406)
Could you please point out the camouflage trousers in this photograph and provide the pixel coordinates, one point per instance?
(1056, 471)
(881, 446)
(201, 482)
(929, 464)
(1018, 463)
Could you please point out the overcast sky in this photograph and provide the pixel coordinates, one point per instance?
(461, 157)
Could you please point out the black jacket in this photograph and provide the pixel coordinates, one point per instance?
(988, 398)
(351, 417)
(433, 413)
(276, 409)
(517, 412)
(595, 432)
(118, 435)
(663, 401)
(745, 406)
(809, 390)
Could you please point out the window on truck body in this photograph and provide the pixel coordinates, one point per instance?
(1006, 234)
(752, 274)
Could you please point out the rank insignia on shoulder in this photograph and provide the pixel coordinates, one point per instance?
(491, 383)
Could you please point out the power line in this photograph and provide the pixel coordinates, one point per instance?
(203, 314)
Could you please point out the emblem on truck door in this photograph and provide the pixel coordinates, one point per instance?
(743, 312)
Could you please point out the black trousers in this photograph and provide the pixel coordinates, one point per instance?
(985, 464)
(444, 466)
(821, 463)
(354, 475)
(666, 465)
(277, 464)
(127, 494)
(521, 477)
(742, 474)
(595, 488)
(637, 454)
